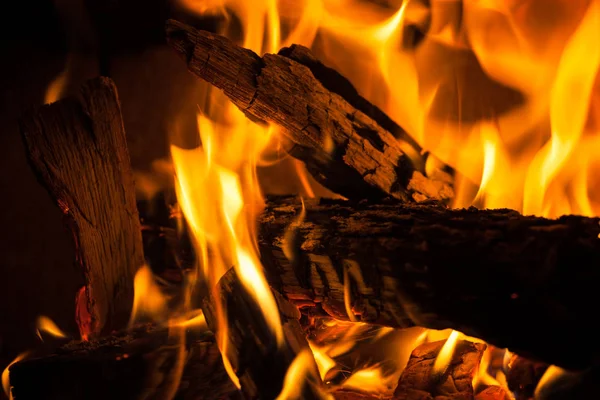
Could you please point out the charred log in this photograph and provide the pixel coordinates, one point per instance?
(78, 149)
(419, 382)
(259, 361)
(523, 376)
(345, 149)
(139, 364)
(485, 273)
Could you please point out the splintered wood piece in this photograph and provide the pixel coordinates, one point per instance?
(482, 272)
(78, 149)
(493, 393)
(419, 382)
(345, 149)
(523, 376)
(138, 364)
(258, 361)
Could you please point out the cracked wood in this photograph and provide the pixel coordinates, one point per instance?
(78, 149)
(482, 272)
(345, 149)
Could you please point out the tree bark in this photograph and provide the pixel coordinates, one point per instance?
(345, 149)
(517, 282)
(78, 149)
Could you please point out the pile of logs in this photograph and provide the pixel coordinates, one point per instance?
(392, 251)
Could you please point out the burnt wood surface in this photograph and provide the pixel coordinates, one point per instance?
(518, 282)
(418, 381)
(258, 360)
(138, 364)
(78, 149)
(344, 148)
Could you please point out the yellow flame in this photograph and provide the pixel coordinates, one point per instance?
(324, 362)
(148, 299)
(6, 374)
(552, 374)
(302, 369)
(444, 357)
(371, 380)
(45, 324)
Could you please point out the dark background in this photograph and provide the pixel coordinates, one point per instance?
(123, 40)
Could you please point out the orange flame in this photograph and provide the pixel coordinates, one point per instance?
(148, 299)
(444, 357)
(45, 324)
(6, 374)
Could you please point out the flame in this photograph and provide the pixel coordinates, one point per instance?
(444, 357)
(45, 324)
(371, 380)
(505, 92)
(56, 88)
(552, 374)
(148, 299)
(6, 374)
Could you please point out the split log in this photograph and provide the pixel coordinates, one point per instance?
(345, 149)
(523, 376)
(78, 149)
(517, 282)
(418, 381)
(138, 364)
(258, 360)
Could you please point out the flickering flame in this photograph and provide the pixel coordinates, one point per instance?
(46, 325)
(444, 357)
(148, 299)
(511, 105)
(371, 380)
(6, 374)
(301, 370)
(56, 88)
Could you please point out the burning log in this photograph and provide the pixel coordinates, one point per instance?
(78, 149)
(523, 376)
(345, 149)
(420, 382)
(259, 361)
(137, 364)
(486, 273)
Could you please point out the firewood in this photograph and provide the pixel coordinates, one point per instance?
(258, 361)
(345, 149)
(523, 376)
(78, 149)
(418, 381)
(137, 364)
(486, 273)
(493, 393)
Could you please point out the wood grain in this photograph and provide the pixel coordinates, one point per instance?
(78, 149)
(345, 149)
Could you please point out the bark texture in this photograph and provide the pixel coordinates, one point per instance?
(345, 149)
(485, 273)
(78, 149)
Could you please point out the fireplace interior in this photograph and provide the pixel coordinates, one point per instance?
(346, 199)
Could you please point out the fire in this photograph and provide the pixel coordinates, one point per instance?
(511, 105)
(148, 299)
(45, 324)
(445, 356)
(6, 374)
